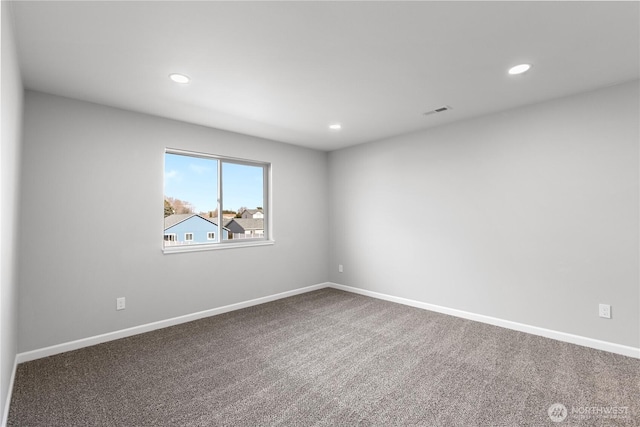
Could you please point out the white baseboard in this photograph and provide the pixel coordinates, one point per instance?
(123, 333)
(85, 342)
(5, 415)
(521, 327)
(110, 336)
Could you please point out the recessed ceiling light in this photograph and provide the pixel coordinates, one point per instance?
(519, 69)
(179, 78)
(335, 126)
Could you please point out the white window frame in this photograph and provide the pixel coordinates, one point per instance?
(170, 235)
(189, 233)
(218, 243)
(210, 233)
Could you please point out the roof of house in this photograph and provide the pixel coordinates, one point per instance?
(253, 211)
(248, 223)
(175, 219)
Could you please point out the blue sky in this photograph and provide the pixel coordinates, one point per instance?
(195, 180)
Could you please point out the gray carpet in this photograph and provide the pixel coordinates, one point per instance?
(328, 358)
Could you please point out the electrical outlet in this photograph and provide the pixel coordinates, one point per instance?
(340, 269)
(605, 311)
(120, 303)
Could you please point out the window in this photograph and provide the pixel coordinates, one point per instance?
(203, 193)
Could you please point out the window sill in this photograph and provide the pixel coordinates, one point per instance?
(215, 246)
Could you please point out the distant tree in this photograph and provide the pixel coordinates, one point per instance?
(242, 209)
(179, 206)
(168, 209)
(182, 207)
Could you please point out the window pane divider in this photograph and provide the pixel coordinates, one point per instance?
(219, 242)
(220, 213)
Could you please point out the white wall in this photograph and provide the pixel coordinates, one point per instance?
(92, 224)
(11, 119)
(530, 215)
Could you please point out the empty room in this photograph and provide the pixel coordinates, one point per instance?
(373, 213)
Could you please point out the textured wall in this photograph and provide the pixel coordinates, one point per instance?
(530, 215)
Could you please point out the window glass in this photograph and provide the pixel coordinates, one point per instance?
(210, 200)
(243, 193)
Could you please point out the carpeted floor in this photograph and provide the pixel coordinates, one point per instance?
(328, 358)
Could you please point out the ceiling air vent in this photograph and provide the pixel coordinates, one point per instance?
(438, 110)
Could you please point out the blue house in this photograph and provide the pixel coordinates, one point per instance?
(187, 229)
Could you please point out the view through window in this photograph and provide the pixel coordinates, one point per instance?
(210, 200)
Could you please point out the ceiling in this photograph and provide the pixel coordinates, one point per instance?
(286, 70)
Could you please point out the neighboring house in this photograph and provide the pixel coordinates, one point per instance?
(186, 229)
(246, 228)
(252, 213)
